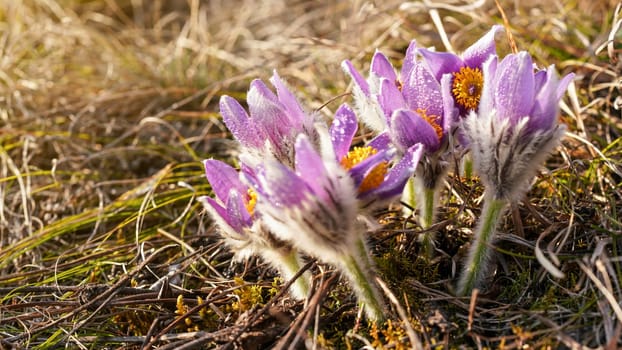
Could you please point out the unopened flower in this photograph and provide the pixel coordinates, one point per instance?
(233, 211)
(272, 122)
(510, 135)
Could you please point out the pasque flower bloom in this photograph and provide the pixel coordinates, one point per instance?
(413, 108)
(513, 131)
(272, 122)
(317, 205)
(233, 211)
(465, 69)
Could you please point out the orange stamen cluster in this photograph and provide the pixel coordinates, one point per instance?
(251, 201)
(467, 87)
(433, 120)
(375, 177)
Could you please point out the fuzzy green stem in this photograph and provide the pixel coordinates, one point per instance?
(467, 166)
(289, 264)
(359, 272)
(427, 209)
(409, 196)
(479, 252)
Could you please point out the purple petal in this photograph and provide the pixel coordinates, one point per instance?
(238, 122)
(358, 79)
(546, 106)
(381, 142)
(280, 186)
(563, 85)
(441, 62)
(215, 209)
(237, 213)
(450, 112)
(409, 60)
(342, 130)
(408, 129)
(381, 66)
(223, 178)
(268, 112)
(390, 98)
(514, 86)
(399, 174)
(476, 54)
(487, 99)
(362, 169)
(310, 166)
(422, 90)
(289, 101)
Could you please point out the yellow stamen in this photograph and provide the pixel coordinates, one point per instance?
(467, 87)
(433, 120)
(251, 201)
(375, 177)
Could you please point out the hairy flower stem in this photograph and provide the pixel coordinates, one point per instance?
(479, 252)
(427, 210)
(288, 264)
(359, 271)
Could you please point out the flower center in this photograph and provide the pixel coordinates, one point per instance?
(467, 87)
(375, 177)
(251, 201)
(433, 120)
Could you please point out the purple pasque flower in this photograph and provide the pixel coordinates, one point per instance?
(465, 69)
(318, 205)
(240, 225)
(366, 90)
(376, 182)
(233, 210)
(414, 107)
(515, 127)
(271, 123)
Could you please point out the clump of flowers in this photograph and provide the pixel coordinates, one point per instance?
(510, 135)
(318, 206)
(305, 188)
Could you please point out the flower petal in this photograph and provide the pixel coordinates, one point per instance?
(223, 178)
(399, 174)
(381, 142)
(289, 101)
(408, 129)
(268, 113)
(514, 87)
(441, 62)
(342, 130)
(381, 67)
(409, 60)
(228, 225)
(238, 122)
(390, 98)
(422, 90)
(476, 54)
(310, 167)
(357, 78)
(280, 186)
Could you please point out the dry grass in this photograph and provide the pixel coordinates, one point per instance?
(107, 108)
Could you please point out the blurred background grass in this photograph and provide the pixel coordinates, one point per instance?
(107, 108)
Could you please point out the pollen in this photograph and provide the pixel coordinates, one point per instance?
(467, 87)
(251, 201)
(375, 177)
(434, 122)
